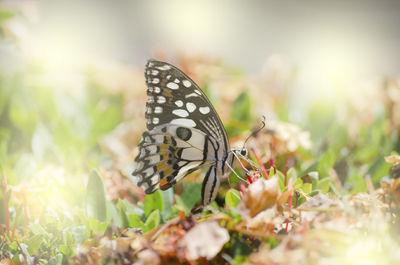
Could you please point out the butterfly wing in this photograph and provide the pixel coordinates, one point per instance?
(184, 132)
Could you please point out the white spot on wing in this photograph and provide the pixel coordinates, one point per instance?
(155, 81)
(180, 112)
(177, 80)
(191, 95)
(151, 99)
(149, 171)
(155, 179)
(154, 72)
(157, 89)
(179, 103)
(197, 91)
(186, 83)
(154, 159)
(190, 106)
(140, 165)
(144, 185)
(152, 149)
(156, 120)
(148, 110)
(172, 85)
(184, 122)
(161, 99)
(168, 77)
(164, 67)
(204, 110)
(157, 109)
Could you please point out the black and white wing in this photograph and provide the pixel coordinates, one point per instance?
(184, 133)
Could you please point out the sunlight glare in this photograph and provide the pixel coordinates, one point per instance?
(334, 64)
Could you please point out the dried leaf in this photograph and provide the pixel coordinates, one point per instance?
(148, 257)
(260, 195)
(204, 240)
(393, 159)
(320, 201)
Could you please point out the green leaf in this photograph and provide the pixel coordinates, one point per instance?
(96, 197)
(307, 188)
(34, 243)
(241, 110)
(57, 260)
(326, 163)
(232, 198)
(134, 221)
(66, 250)
(122, 214)
(153, 220)
(153, 202)
(37, 229)
(271, 171)
(324, 184)
(281, 179)
(191, 194)
(97, 226)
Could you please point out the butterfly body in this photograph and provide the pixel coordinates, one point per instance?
(184, 133)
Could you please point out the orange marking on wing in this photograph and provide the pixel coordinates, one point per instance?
(163, 183)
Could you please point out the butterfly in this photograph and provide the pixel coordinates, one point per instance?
(184, 133)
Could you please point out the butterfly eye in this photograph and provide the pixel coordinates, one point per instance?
(243, 152)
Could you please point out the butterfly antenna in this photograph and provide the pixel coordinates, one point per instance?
(255, 131)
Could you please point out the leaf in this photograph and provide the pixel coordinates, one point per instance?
(324, 185)
(57, 259)
(232, 198)
(392, 159)
(153, 220)
(271, 171)
(65, 250)
(97, 226)
(34, 243)
(307, 188)
(191, 194)
(37, 229)
(96, 197)
(241, 110)
(205, 240)
(153, 202)
(134, 221)
(122, 214)
(260, 195)
(326, 162)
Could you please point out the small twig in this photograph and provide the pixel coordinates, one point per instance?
(260, 163)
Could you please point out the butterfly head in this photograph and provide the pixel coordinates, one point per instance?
(242, 152)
